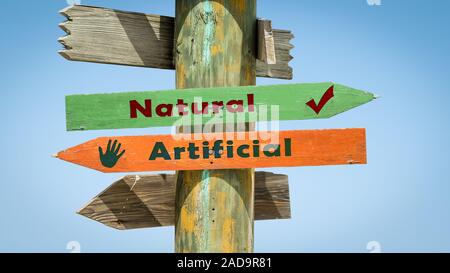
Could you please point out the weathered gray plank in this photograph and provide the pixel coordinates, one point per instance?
(266, 43)
(283, 46)
(149, 201)
(102, 35)
(115, 37)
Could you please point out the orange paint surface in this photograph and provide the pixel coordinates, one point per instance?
(216, 49)
(307, 148)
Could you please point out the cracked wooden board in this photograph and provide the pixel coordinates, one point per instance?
(147, 201)
(102, 35)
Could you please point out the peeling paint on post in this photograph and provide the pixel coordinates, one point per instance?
(208, 38)
(215, 47)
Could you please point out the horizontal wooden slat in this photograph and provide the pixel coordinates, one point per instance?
(148, 201)
(280, 70)
(215, 151)
(102, 35)
(294, 101)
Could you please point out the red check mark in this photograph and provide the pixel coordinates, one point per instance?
(329, 94)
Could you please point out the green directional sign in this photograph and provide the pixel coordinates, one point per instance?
(215, 105)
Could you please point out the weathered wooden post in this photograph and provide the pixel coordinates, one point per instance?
(215, 47)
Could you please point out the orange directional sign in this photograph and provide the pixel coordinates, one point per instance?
(220, 151)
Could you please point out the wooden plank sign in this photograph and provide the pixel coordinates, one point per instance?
(145, 201)
(102, 35)
(220, 151)
(221, 105)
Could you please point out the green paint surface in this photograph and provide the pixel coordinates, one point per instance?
(112, 111)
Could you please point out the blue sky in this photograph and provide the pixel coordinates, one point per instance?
(398, 50)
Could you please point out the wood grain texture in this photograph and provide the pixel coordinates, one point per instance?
(266, 42)
(147, 201)
(215, 47)
(112, 111)
(283, 46)
(109, 36)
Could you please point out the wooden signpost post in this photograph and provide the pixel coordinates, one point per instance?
(217, 49)
(215, 46)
